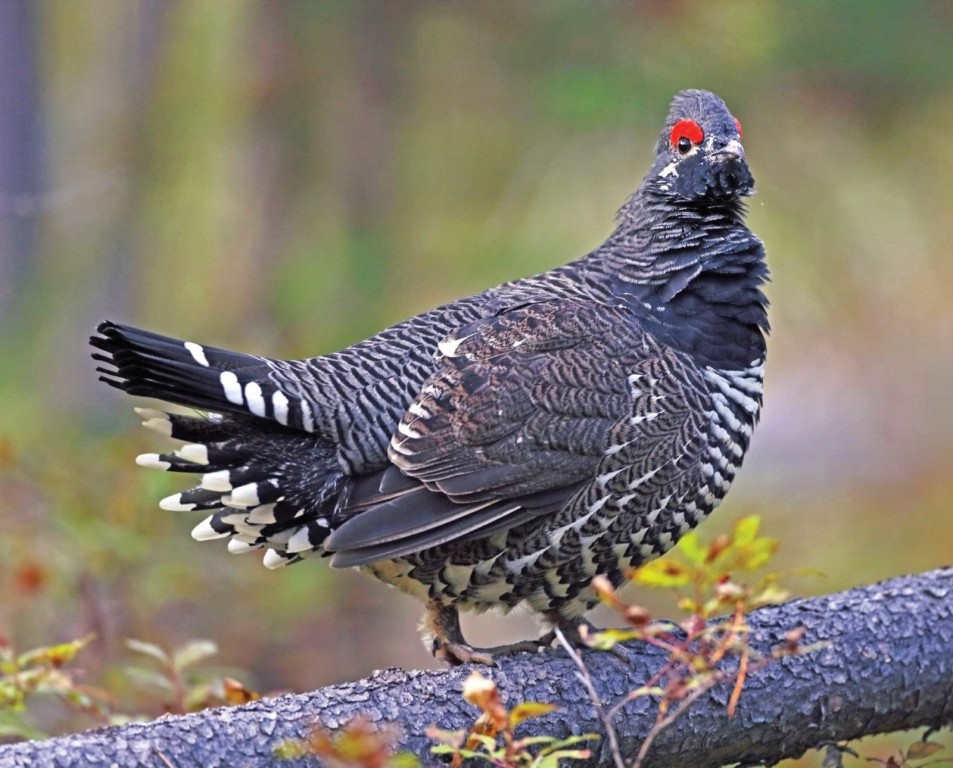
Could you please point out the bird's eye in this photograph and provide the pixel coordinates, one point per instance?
(685, 135)
(741, 133)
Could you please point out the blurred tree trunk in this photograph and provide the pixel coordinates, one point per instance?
(886, 664)
(21, 147)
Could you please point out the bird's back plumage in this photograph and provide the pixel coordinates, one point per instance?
(509, 446)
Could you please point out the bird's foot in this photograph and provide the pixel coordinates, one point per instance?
(455, 654)
(442, 623)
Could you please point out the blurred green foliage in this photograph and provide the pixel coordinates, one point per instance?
(287, 178)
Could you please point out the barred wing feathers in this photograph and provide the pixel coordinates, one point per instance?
(526, 413)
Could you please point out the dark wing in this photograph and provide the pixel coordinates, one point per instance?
(512, 424)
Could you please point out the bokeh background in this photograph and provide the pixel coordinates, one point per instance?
(287, 178)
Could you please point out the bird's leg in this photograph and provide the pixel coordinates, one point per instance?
(442, 623)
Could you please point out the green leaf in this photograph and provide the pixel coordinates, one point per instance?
(560, 746)
(444, 749)
(646, 690)
(691, 546)
(772, 594)
(291, 749)
(149, 679)
(192, 653)
(746, 530)
(17, 730)
(757, 553)
(607, 639)
(11, 695)
(404, 760)
(488, 742)
(149, 649)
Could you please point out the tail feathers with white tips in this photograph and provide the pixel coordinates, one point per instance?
(150, 365)
(266, 486)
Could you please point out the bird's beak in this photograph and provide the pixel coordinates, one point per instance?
(731, 151)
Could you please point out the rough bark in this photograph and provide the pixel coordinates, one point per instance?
(887, 665)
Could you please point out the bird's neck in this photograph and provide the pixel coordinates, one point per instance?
(693, 274)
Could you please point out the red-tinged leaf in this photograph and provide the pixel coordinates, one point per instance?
(527, 709)
(729, 591)
(30, 578)
(606, 592)
(637, 616)
(480, 691)
(664, 573)
(236, 693)
(55, 655)
(921, 749)
(717, 546)
(487, 742)
(451, 738)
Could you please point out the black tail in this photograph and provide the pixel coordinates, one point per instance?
(266, 482)
(149, 365)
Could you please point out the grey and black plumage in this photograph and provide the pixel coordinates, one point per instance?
(507, 447)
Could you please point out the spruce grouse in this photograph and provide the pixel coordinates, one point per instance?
(505, 448)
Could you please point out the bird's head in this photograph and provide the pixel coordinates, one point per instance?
(699, 157)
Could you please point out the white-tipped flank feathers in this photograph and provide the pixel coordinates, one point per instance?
(174, 503)
(152, 461)
(245, 495)
(274, 559)
(217, 481)
(300, 540)
(194, 452)
(205, 532)
(262, 515)
(155, 420)
(238, 547)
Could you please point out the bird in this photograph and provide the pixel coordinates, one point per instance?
(503, 449)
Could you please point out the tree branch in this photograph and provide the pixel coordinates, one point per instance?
(887, 666)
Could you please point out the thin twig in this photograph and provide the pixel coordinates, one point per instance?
(672, 716)
(584, 677)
